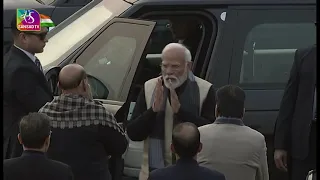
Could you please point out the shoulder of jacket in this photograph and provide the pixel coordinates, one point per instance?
(255, 134)
(203, 83)
(59, 164)
(200, 80)
(151, 82)
(161, 172)
(10, 162)
(207, 126)
(210, 172)
(14, 66)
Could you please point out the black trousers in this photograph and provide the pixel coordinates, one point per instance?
(298, 169)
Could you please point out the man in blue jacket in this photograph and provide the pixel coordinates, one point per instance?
(186, 144)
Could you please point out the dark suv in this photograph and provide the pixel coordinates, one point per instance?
(250, 43)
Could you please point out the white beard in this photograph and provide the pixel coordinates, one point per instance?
(175, 81)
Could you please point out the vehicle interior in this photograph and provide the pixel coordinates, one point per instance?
(259, 58)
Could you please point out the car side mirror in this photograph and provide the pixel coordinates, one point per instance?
(98, 89)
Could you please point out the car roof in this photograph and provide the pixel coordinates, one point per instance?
(228, 2)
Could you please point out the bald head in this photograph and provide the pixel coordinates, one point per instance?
(176, 51)
(186, 140)
(71, 76)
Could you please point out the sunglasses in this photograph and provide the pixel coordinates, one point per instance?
(41, 36)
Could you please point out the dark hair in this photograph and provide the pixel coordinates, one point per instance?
(34, 129)
(186, 139)
(75, 82)
(230, 101)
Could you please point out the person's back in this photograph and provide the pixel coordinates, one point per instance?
(36, 166)
(229, 146)
(33, 164)
(186, 170)
(80, 148)
(186, 144)
(84, 133)
(233, 150)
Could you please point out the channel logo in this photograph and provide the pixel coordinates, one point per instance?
(31, 20)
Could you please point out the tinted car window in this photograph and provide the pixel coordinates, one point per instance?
(161, 36)
(111, 66)
(269, 51)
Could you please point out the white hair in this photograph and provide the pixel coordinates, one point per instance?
(188, 56)
(187, 53)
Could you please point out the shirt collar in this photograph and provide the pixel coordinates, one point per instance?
(229, 120)
(31, 56)
(190, 161)
(32, 152)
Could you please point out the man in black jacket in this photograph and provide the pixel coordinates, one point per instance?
(176, 96)
(25, 87)
(295, 131)
(186, 144)
(84, 132)
(33, 164)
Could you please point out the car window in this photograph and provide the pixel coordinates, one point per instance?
(269, 51)
(114, 54)
(111, 66)
(161, 36)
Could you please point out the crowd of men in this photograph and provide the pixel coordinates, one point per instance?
(189, 130)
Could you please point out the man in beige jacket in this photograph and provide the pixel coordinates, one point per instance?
(229, 146)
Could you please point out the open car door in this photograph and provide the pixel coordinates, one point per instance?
(110, 59)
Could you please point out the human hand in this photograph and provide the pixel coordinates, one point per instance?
(280, 159)
(158, 97)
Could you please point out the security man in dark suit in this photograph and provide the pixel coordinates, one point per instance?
(25, 87)
(186, 144)
(295, 131)
(33, 164)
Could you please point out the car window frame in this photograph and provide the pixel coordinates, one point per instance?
(199, 14)
(58, 55)
(218, 70)
(146, 27)
(239, 41)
